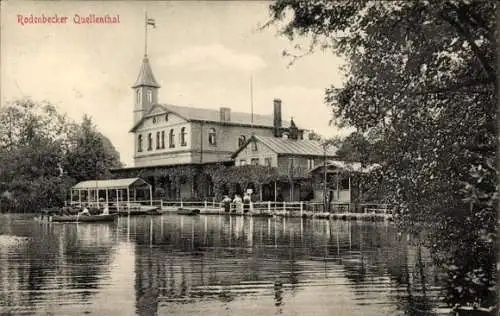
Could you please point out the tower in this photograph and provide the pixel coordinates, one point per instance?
(145, 90)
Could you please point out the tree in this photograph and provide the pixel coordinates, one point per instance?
(42, 154)
(91, 154)
(32, 141)
(421, 82)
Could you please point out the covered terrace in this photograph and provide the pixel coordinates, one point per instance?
(119, 192)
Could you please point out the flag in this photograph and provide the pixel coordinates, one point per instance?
(150, 21)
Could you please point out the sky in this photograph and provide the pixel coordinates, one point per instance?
(203, 54)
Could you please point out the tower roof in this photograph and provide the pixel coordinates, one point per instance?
(146, 77)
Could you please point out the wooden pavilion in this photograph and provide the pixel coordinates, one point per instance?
(121, 192)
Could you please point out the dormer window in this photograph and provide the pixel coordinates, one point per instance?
(212, 136)
(254, 146)
(149, 95)
(241, 140)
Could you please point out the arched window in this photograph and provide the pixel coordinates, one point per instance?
(171, 139)
(241, 140)
(183, 137)
(212, 136)
(254, 145)
(158, 140)
(138, 96)
(149, 95)
(139, 143)
(162, 139)
(150, 141)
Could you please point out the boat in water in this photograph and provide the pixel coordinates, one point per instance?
(188, 211)
(83, 218)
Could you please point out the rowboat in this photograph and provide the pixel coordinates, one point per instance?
(84, 218)
(188, 211)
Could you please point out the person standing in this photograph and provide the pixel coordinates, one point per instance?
(226, 202)
(238, 204)
(246, 203)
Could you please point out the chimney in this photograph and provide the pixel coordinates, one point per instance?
(277, 117)
(225, 114)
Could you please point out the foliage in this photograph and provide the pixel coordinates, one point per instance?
(421, 86)
(43, 153)
(225, 177)
(91, 154)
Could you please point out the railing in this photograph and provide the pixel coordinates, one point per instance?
(262, 206)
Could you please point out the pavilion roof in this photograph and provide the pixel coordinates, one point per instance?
(110, 184)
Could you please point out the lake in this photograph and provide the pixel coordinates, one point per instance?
(213, 265)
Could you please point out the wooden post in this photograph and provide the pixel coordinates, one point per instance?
(117, 201)
(97, 197)
(269, 206)
(284, 206)
(338, 191)
(150, 195)
(70, 197)
(206, 204)
(350, 198)
(128, 200)
(80, 197)
(301, 208)
(107, 198)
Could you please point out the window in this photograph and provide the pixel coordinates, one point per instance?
(310, 163)
(268, 162)
(254, 146)
(150, 141)
(254, 161)
(183, 137)
(171, 139)
(243, 162)
(241, 140)
(138, 96)
(149, 94)
(291, 164)
(158, 140)
(163, 139)
(166, 117)
(139, 143)
(212, 136)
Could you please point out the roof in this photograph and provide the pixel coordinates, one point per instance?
(348, 166)
(110, 184)
(190, 113)
(287, 146)
(146, 77)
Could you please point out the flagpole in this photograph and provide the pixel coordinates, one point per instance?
(251, 99)
(145, 33)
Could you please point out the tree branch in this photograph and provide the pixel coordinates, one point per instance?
(488, 69)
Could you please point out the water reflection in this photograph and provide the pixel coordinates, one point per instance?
(215, 264)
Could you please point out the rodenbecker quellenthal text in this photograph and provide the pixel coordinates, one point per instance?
(75, 19)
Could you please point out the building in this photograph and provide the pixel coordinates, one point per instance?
(173, 145)
(343, 181)
(293, 157)
(168, 134)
